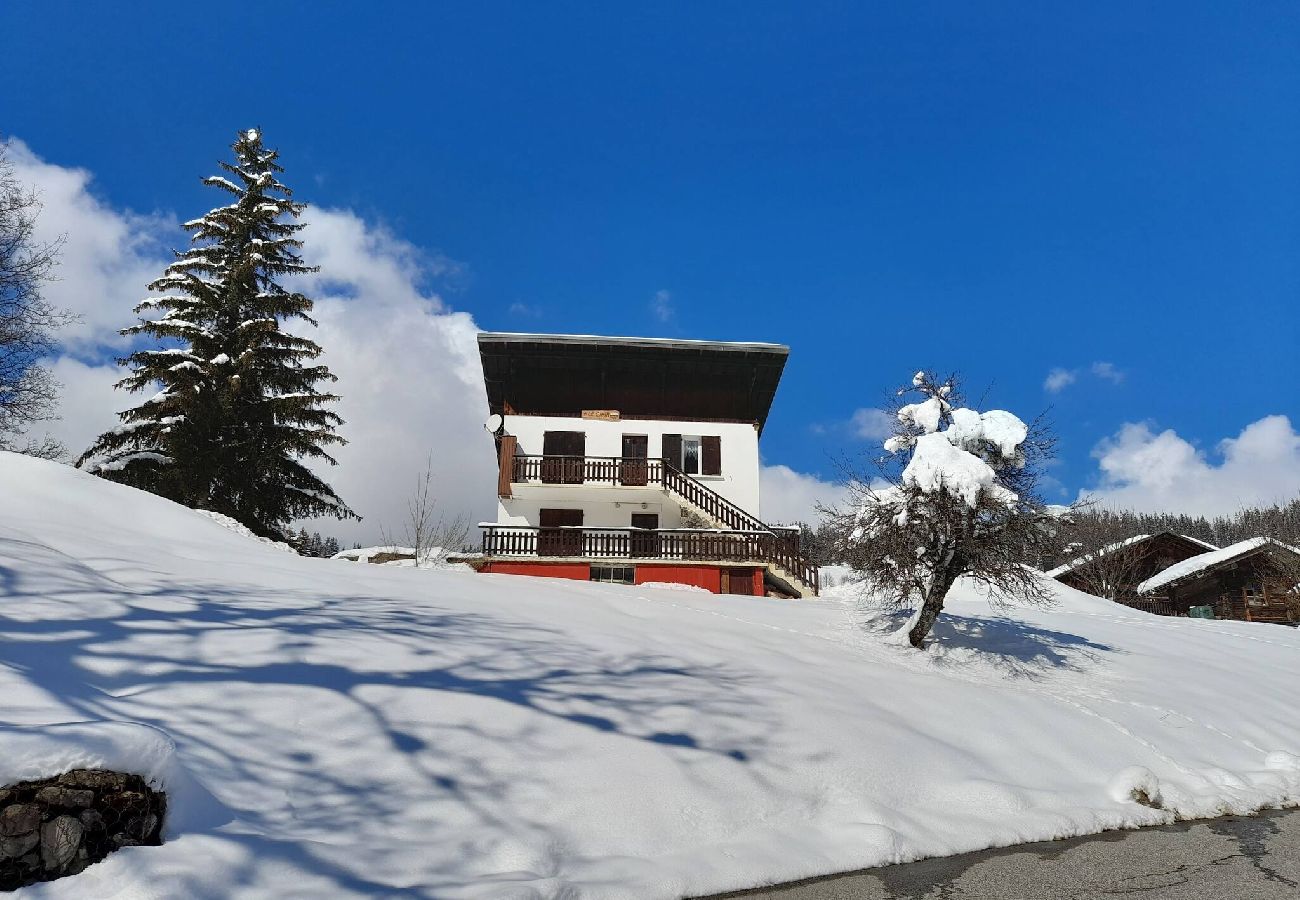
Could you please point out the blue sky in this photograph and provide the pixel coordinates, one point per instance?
(998, 189)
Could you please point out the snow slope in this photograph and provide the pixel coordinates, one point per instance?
(329, 729)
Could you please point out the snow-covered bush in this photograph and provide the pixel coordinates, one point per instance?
(957, 498)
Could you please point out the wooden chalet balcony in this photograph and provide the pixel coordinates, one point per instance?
(618, 471)
(699, 545)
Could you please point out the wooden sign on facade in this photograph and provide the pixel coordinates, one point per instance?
(604, 415)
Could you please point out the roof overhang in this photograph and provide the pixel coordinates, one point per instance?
(565, 374)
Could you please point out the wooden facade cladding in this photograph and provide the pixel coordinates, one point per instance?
(506, 465)
(1250, 588)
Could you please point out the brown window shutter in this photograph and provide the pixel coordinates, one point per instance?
(711, 451)
(506, 465)
(672, 448)
(577, 443)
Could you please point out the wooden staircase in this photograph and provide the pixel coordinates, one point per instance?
(779, 549)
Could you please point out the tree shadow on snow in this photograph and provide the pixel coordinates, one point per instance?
(355, 715)
(996, 644)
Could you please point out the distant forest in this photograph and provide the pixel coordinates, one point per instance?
(1099, 527)
(1279, 521)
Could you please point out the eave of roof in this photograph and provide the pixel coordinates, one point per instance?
(1196, 565)
(1073, 564)
(593, 340)
(685, 380)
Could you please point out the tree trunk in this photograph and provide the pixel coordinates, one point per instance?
(931, 607)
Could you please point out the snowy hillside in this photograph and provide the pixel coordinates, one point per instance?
(329, 729)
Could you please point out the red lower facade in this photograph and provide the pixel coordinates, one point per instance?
(746, 580)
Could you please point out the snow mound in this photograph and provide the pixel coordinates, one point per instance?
(239, 528)
(434, 558)
(1136, 784)
(342, 731)
(33, 752)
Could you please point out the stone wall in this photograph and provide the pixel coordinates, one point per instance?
(58, 826)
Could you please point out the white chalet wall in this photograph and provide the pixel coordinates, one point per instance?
(737, 483)
(601, 507)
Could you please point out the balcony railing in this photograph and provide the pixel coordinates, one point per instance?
(700, 545)
(622, 471)
(611, 470)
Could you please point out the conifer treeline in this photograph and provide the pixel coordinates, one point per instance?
(1280, 521)
(237, 409)
(312, 544)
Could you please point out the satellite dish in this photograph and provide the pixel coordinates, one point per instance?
(495, 423)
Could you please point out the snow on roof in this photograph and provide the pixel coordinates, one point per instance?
(1089, 557)
(509, 337)
(1203, 561)
(1110, 548)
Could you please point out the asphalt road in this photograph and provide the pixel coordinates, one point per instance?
(1234, 858)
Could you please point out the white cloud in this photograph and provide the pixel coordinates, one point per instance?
(1059, 379)
(1145, 470)
(790, 496)
(88, 404)
(409, 376)
(872, 424)
(1107, 372)
(523, 310)
(108, 258)
(661, 306)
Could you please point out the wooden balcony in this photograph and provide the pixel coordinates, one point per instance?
(619, 471)
(698, 545)
(596, 470)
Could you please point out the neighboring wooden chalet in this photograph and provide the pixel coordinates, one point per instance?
(1116, 570)
(1173, 574)
(1257, 580)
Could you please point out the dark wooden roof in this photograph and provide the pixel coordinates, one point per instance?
(553, 374)
(1159, 550)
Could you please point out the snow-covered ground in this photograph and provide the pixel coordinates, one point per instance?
(329, 729)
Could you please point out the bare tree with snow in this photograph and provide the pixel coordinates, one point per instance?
(28, 322)
(954, 496)
(426, 531)
(1100, 564)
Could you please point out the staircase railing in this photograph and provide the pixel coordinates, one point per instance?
(704, 498)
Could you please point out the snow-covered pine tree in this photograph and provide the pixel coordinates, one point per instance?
(237, 409)
(961, 501)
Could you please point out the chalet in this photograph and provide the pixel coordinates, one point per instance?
(1115, 571)
(1255, 580)
(1176, 575)
(635, 460)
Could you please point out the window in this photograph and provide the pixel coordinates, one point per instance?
(614, 574)
(691, 455)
